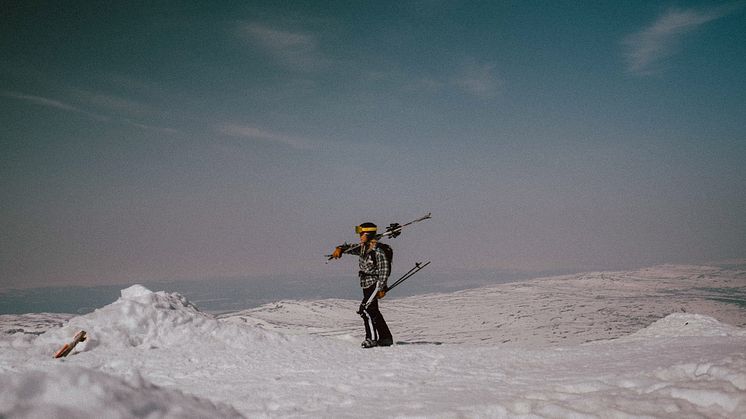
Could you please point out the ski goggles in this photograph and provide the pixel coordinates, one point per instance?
(360, 230)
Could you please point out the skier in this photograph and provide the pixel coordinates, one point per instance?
(375, 269)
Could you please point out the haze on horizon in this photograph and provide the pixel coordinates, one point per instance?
(165, 142)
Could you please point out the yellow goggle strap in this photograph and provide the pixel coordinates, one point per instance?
(359, 230)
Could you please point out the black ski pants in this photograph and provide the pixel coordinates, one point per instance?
(375, 326)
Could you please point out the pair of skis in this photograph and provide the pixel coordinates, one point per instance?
(392, 231)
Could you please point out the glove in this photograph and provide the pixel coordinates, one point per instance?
(337, 253)
(360, 309)
(381, 294)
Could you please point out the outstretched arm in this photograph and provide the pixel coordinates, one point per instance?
(345, 248)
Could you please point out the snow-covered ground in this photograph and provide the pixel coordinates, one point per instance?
(667, 341)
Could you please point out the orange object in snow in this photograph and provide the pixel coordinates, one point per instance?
(68, 347)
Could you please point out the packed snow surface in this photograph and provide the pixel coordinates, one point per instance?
(661, 342)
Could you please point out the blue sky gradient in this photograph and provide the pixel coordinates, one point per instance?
(191, 140)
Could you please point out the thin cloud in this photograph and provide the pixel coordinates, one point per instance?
(253, 133)
(52, 103)
(147, 127)
(647, 49)
(472, 78)
(478, 80)
(117, 104)
(102, 100)
(295, 50)
(427, 85)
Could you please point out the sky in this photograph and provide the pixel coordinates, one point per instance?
(201, 140)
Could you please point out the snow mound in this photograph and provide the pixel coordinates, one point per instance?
(684, 324)
(146, 319)
(135, 291)
(76, 392)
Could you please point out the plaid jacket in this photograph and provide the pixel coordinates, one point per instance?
(374, 268)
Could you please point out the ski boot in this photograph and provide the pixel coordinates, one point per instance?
(369, 343)
(386, 342)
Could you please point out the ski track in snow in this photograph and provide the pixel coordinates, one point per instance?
(657, 342)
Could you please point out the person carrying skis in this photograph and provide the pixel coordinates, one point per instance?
(375, 269)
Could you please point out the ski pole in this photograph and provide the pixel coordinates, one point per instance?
(417, 267)
(405, 276)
